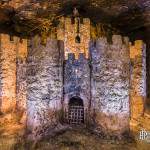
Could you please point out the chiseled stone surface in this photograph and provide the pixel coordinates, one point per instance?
(44, 86)
(138, 78)
(110, 84)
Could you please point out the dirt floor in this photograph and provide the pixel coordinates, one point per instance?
(11, 138)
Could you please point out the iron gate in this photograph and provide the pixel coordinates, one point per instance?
(75, 115)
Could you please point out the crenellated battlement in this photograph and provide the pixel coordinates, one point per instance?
(68, 21)
(37, 41)
(12, 39)
(14, 43)
(117, 40)
(71, 58)
(118, 48)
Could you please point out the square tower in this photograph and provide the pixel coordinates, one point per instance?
(76, 36)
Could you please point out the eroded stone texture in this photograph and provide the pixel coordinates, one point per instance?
(13, 90)
(110, 85)
(46, 82)
(21, 75)
(8, 72)
(138, 78)
(21, 89)
(77, 80)
(44, 86)
(67, 31)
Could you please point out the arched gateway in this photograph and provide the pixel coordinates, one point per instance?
(76, 111)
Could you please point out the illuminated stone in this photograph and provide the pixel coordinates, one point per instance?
(9, 48)
(41, 80)
(138, 78)
(67, 32)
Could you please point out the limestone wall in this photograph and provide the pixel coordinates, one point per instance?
(138, 78)
(77, 79)
(67, 31)
(44, 86)
(110, 84)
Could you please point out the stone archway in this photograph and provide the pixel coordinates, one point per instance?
(76, 111)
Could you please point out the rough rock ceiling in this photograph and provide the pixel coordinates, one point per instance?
(127, 15)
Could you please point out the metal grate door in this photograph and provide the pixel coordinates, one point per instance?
(76, 115)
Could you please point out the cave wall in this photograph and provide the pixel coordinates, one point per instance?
(44, 86)
(110, 84)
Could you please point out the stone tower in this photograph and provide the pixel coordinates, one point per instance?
(13, 53)
(110, 84)
(76, 36)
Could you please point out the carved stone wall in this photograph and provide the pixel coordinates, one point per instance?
(67, 32)
(39, 82)
(110, 84)
(77, 79)
(138, 78)
(44, 86)
(8, 50)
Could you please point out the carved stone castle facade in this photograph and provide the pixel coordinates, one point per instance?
(73, 80)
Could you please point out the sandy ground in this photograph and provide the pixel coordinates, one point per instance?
(11, 138)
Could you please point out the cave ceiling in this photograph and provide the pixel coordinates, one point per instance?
(129, 16)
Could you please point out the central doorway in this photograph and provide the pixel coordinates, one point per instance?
(76, 111)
